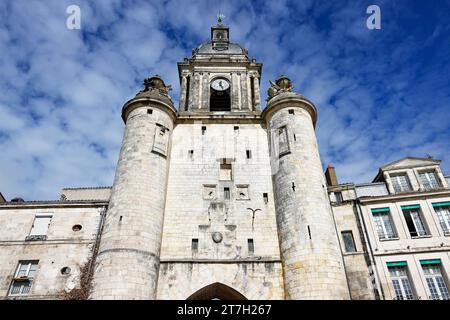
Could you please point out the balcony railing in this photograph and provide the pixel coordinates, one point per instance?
(36, 238)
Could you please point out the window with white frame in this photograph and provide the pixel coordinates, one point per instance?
(428, 180)
(383, 223)
(23, 278)
(400, 182)
(435, 281)
(414, 220)
(400, 280)
(443, 212)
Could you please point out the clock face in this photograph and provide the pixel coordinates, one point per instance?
(220, 85)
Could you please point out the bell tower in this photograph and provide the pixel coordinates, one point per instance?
(219, 78)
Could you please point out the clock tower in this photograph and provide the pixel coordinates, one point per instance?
(220, 78)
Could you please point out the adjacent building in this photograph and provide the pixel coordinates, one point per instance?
(399, 224)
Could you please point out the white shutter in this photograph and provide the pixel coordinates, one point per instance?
(40, 225)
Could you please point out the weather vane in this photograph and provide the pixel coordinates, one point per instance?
(220, 17)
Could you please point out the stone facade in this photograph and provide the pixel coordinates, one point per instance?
(68, 243)
(220, 200)
(402, 234)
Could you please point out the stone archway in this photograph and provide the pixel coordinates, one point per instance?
(216, 290)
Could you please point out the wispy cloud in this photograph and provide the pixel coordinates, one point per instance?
(381, 94)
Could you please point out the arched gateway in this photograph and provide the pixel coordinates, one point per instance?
(217, 290)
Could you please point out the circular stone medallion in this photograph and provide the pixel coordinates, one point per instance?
(217, 237)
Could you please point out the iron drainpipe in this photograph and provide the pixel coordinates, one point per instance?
(372, 260)
(97, 239)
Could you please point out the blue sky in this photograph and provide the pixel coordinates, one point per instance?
(381, 94)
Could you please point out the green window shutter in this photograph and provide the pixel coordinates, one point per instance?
(396, 264)
(441, 204)
(380, 210)
(414, 206)
(434, 261)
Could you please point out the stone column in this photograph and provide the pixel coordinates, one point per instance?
(205, 91)
(257, 93)
(244, 90)
(441, 178)
(183, 90)
(387, 179)
(235, 79)
(249, 93)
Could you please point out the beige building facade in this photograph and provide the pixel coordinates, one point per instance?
(219, 199)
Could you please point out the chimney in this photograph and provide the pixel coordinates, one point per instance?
(330, 175)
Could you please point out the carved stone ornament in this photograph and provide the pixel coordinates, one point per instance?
(217, 237)
(156, 85)
(282, 84)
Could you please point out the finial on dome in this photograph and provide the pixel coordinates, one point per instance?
(220, 17)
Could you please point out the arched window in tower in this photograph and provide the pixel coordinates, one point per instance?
(220, 99)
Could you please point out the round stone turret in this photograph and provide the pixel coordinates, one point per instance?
(127, 263)
(310, 252)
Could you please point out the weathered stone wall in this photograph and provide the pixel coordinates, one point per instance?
(63, 247)
(359, 275)
(254, 280)
(83, 194)
(196, 207)
(128, 259)
(312, 260)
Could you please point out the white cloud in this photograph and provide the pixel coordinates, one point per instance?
(62, 90)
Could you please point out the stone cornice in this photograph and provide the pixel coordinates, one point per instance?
(289, 100)
(135, 103)
(52, 204)
(418, 195)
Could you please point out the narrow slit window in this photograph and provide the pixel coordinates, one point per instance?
(251, 246)
(265, 197)
(349, 242)
(194, 245)
(291, 111)
(149, 111)
(191, 154)
(226, 193)
(249, 154)
(203, 130)
(338, 196)
(236, 129)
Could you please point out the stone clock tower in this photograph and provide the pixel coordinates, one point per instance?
(218, 199)
(219, 78)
